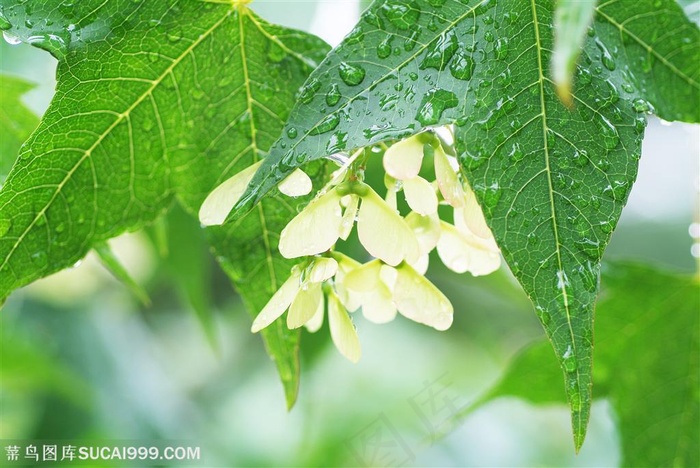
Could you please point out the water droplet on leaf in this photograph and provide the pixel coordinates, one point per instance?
(352, 75)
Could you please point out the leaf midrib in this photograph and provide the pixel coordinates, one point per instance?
(254, 144)
(121, 117)
(545, 127)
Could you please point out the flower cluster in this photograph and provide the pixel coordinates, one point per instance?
(393, 282)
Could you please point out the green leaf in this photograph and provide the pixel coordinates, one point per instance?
(114, 266)
(552, 181)
(571, 20)
(647, 365)
(660, 49)
(16, 120)
(155, 100)
(186, 262)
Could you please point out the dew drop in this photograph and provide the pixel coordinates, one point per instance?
(384, 47)
(40, 259)
(575, 399)
(308, 91)
(605, 57)
(533, 239)
(462, 66)
(569, 360)
(355, 36)
(174, 36)
(441, 51)
(608, 132)
(11, 38)
(333, 96)
(544, 316)
(640, 123)
(501, 48)
(593, 248)
(275, 53)
(402, 14)
(411, 41)
(326, 125)
(51, 43)
(490, 195)
(580, 158)
(352, 75)
(338, 142)
(617, 190)
(642, 106)
(434, 103)
(517, 153)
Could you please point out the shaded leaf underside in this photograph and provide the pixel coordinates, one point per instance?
(150, 108)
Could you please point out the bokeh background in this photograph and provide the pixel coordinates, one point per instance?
(83, 358)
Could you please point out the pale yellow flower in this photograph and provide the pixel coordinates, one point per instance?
(305, 299)
(223, 198)
(381, 230)
(383, 291)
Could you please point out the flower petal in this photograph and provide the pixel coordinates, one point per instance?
(305, 305)
(316, 321)
(297, 184)
(279, 302)
(343, 331)
(448, 182)
(403, 159)
(426, 229)
(315, 229)
(384, 233)
(419, 300)
(363, 278)
(378, 305)
(462, 252)
(420, 196)
(421, 265)
(220, 202)
(345, 265)
(323, 269)
(471, 218)
(349, 216)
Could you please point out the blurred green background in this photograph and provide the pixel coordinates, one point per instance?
(82, 358)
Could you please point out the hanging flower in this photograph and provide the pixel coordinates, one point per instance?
(382, 291)
(468, 246)
(221, 201)
(402, 161)
(382, 232)
(303, 296)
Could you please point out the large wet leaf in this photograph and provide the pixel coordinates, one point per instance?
(16, 120)
(408, 65)
(552, 180)
(154, 101)
(647, 365)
